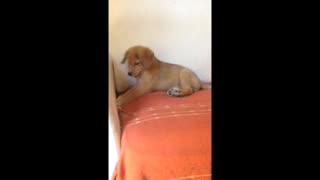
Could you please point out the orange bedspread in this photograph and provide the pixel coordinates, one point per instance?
(166, 138)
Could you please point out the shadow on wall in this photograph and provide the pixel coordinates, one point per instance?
(122, 82)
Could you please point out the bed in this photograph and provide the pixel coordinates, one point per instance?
(159, 137)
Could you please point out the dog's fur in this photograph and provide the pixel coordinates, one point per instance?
(155, 75)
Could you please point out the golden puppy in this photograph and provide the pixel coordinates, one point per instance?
(155, 75)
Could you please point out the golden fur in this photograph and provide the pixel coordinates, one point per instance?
(155, 75)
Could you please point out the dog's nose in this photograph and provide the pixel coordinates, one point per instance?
(130, 73)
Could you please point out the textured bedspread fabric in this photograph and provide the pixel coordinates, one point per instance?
(166, 138)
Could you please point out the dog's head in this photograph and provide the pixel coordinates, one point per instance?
(139, 58)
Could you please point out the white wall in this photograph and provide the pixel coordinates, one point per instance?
(178, 31)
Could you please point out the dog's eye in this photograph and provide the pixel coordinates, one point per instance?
(137, 63)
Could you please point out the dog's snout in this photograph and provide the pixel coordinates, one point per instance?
(130, 73)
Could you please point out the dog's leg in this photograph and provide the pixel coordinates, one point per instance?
(185, 90)
(186, 87)
(132, 94)
(174, 91)
(186, 82)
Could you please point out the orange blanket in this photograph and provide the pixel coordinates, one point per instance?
(166, 138)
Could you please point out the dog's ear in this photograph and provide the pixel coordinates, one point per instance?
(147, 58)
(124, 58)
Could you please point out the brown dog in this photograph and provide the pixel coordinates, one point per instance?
(155, 75)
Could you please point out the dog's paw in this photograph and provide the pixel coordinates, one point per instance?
(119, 101)
(174, 91)
(119, 108)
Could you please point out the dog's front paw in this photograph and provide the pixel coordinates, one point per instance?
(119, 101)
(174, 91)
